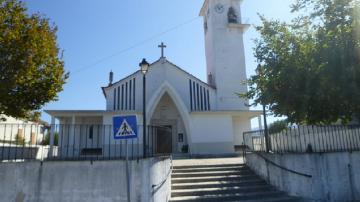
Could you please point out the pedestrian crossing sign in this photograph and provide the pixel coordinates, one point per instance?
(125, 127)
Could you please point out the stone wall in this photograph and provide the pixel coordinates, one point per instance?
(334, 176)
(85, 181)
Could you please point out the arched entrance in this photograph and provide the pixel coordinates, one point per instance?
(172, 138)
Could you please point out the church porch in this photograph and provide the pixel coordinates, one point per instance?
(77, 133)
(89, 134)
(174, 137)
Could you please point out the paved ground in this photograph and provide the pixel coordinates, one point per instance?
(208, 161)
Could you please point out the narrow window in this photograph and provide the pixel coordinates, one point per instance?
(191, 103)
(194, 97)
(201, 99)
(91, 132)
(118, 99)
(197, 96)
(122, 97)
(126, 96)
(134, 94)
(205, 100)
(208, 100)
(130, 103)
(114, 98)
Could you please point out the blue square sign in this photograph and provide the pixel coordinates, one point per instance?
(125, 127)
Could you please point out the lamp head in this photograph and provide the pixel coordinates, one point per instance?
(144, 66)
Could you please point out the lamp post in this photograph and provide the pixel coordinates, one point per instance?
(144, 67)
(266, 131)
(259, 71)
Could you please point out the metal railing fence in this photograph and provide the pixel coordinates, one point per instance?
(20, 142)
(306, 139)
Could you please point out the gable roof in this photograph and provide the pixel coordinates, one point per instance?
(159, 60)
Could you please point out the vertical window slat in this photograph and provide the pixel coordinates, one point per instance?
(208, 99)
(130, 90)
(191, 102)
(122, 97)
(201, 99)
(194, 95)
(134, 94)
(205, 100)
(197, 96)
(118, 98)
(126, 96)
(114, 99)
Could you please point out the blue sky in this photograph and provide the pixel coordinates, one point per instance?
(99, 36)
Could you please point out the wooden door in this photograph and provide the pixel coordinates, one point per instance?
(164, 140)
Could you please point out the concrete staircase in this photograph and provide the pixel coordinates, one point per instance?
(221, 182)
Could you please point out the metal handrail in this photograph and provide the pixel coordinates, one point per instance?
(158, 185)
(282, 167)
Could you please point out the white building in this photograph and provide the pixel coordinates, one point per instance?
(207, 116)
(28, 132)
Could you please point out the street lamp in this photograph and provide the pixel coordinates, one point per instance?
(259, 71)
(266, 131)
(144, 67)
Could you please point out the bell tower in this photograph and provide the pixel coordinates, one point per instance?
(224, 49)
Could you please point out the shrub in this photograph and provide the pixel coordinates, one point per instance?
(46, 140)
(19, 139)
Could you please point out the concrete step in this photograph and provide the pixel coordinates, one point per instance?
(276, 199)
(214, 184)
(220, 178)
(212, 173)
(209, 166)
(221, 190)
(221, 182)
(210, 169)
(259, 196)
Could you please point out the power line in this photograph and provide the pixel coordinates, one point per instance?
(133, 46)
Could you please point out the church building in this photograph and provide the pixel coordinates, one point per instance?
(206, 117)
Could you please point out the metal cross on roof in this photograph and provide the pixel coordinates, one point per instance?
(162, 46)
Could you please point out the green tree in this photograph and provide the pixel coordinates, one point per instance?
(278, 126)
(31, 69)
(309, 69)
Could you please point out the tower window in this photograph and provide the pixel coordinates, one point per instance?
(205, 26)
(232, 17)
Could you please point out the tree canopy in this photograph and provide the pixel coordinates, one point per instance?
(309, 69)
(31, 68)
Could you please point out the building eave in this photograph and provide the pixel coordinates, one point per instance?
(194, 77)
(249, 113)
(159, 60)
(203, 8)
(125, 78)
(110, 85)
(68, 113)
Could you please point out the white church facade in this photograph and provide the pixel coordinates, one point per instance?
(208, 117)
